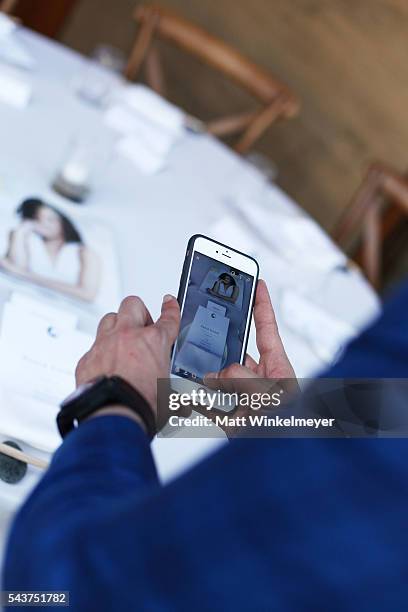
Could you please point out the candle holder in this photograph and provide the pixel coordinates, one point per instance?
(101, 75)
(83, 161)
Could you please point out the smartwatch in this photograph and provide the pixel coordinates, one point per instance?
(99, 393)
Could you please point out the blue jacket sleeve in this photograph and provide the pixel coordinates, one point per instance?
(101, 463)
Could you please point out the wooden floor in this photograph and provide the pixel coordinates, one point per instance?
(347, 60)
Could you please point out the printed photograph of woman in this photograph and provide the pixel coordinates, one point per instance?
(46, 248)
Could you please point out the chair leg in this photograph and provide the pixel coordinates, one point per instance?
(154, 71)
(359, 204)
(261, 122)
(393, 217)
(369, 254)
(394, 246)
(233, 124)
(140, 47)
(395, 187)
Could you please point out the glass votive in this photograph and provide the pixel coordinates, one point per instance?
(83, 162)
(101, 75)
(110, 57)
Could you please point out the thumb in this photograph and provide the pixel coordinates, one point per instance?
(169, 320)
(234, 378)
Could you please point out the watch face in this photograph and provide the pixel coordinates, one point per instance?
(81, 390)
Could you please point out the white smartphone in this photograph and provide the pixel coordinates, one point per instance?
(216, 296)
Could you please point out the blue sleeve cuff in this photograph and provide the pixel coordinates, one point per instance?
(95, 468)
(110, 446)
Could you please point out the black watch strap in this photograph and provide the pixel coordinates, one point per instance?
(100, 393)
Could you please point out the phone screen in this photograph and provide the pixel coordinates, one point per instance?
(214, 318)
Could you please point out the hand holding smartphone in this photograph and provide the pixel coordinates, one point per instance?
(216, 297)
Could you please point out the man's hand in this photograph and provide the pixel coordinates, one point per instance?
(273, 361)
(130, 345)
(254, 377)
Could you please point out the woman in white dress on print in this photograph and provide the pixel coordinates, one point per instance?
(225, 287)
(48, 250)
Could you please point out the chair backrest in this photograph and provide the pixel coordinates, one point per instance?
(8, 6)
(379, 206)
(270, 92)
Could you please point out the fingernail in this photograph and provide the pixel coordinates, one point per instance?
(211, 375)
(167, 298)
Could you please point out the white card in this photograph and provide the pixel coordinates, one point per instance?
(41, 310)
(38, 357)
(197, 361)
(209, 331)
(216, 308)
(204, 346)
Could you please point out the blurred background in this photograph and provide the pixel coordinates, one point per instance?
(345, 60)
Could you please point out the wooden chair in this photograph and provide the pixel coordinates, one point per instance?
(378, 209)
(8, 6)
(277, 101)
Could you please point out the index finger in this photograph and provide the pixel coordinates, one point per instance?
(265, 322)
(134, 310)
(169, 320)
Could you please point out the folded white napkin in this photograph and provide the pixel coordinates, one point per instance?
(14, 90)
(151, 135)
(326, 334)
(11, 50)
(144, 143)
(150, 126)
(7, 26)
(144, 101)
(136, 151)
(295, 237)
